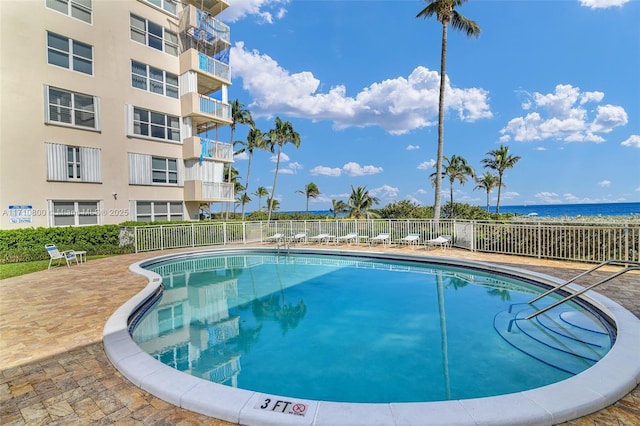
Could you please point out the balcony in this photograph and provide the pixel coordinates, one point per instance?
(200, 30)
(209, 192)
(211, 6)
(210, 74)
(196, 147)
(203, 109)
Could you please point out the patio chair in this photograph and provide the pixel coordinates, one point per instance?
(320, 238)
(68, 255)
(443, 241)
(300, 237)
(410, 239)
(351, 236)
(275, 238)
(383, 238)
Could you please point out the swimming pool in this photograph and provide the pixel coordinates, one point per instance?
(286, 309)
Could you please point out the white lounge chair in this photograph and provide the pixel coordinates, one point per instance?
(68, 255)
(300, 237)
(410, 239)
(443, 241)
(320, 238)
(351, 236)
(275, 238)
(383, 238)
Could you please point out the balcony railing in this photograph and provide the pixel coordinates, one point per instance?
(214, 67)
(216, 150)
(217, 191)
(214, 107)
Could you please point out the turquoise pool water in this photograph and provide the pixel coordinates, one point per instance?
(341, 328)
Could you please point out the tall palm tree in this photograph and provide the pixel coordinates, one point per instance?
(360, 202)
(275, 204)
(281, 134)
(500, 160)
(339, 206)
(255, 140)
(445, 13)
(261, 191)
(310, 191)
(487, 181)
(244, 199)
(239, 115)
(458, 169)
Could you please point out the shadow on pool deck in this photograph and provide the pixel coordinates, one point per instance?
(54, 369)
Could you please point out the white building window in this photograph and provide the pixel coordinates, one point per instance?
(164, 170)
(153, 124)
(166, 5)
(154, 80)
(79, 9)
(153, 35)
(147, 170)
(71, 108)
(74, 213)
(73, 163)
(157, 211)
(68, 53)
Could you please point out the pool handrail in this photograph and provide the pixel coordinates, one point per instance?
(629, 266)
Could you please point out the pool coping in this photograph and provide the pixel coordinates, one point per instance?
(595, 388)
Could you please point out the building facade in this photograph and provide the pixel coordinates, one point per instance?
(111, 111)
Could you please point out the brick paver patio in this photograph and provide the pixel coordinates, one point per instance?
(54, 369)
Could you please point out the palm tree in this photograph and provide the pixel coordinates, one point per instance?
(255, 140)
(261, 191)
(239, 115)
(244, 199)
(445, 13)
(458, 169)
(310, 191)
(500, 160)
(275, 204)
(360, 202)
(488, 181)
(339, 206)
(281, 134)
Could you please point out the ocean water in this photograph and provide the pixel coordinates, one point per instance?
(556, 210)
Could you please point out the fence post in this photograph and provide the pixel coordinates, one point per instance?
(627, 255)
(161, 238)
(135, 237)
(224, 233)
(244, 233)
(539, 238)
(193, 236)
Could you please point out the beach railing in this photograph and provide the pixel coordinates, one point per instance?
(582, 242)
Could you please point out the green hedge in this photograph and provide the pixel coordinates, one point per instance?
(27, 244)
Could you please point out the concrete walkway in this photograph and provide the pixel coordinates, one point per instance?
(54, 369)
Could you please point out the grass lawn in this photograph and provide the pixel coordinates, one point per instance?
(22, 268)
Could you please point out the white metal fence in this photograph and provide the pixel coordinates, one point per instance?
(546, 240)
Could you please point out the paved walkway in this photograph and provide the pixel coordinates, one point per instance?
(53, 369)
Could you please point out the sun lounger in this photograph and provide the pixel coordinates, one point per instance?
(320, 238)
(410, 239)
(300, 237)
(443, 241)
(383, 238)
(350, 237)
(275, 238)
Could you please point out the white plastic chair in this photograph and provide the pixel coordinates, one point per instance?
(69, 255)
(352, 236)
(443, 241)
(383, 237)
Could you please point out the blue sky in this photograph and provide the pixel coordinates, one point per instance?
(557, 81)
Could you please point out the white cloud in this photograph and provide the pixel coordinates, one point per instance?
(385, 192)
(421, 192)
(291, 168)
(508, 195)
(548, 197)
(355, 169)
(398, 105)
(541, 148)
(325, 171)
(562, 115)
(633, 141)
(604, 184)
(264, 10)
(283, 158)
(242, 156)
(603, 4)
(427, 165)
(412, 147)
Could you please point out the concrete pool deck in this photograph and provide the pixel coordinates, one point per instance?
(54, 369)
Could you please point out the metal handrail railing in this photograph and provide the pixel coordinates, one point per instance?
(629, 266)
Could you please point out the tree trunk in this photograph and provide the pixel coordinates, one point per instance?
(246, 185)
(229, 176)
(499, 191)
(438, 186)
(275, 180)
